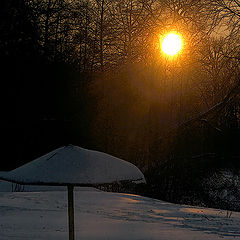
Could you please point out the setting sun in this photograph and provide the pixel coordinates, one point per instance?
(171, 44)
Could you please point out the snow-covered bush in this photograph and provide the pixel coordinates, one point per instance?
(223, 189)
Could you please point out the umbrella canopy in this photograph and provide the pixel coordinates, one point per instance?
(72, 165)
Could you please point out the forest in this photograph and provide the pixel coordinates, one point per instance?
(91, 73)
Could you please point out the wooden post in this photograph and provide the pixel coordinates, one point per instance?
(70, 213)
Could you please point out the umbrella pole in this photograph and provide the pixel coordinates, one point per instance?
(70, 213)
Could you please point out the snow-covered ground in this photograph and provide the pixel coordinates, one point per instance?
(113, 216)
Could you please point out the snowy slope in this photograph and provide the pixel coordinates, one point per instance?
(103, 216)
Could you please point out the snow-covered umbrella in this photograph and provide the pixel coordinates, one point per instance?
(74, 166)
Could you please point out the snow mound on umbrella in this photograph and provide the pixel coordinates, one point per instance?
(77, 166)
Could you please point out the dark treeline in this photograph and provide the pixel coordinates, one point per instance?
(91, 73)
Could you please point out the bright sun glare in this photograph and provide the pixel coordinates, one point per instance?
(172, 44)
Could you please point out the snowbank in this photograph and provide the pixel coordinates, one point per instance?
(101, 216)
